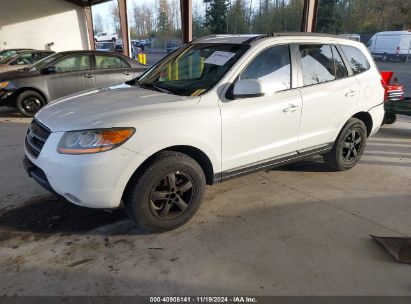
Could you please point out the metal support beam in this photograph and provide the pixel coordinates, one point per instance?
(89, 22)
(122, 8)
(309, 15)
(186, 8)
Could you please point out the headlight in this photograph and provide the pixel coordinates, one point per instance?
(93, 141)
(4, 84)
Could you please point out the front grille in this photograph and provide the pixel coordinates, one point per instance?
(36, 137)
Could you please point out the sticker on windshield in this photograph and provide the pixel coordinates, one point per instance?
(219, 58)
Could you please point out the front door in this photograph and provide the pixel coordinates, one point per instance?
(258, 130)
(73, 73)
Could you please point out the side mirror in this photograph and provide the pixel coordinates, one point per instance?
(49, 70)
(248, 88)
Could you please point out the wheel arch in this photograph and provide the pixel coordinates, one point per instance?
(197, 154)
(366, 118)
(23, 89)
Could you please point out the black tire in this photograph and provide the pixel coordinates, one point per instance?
(389, 118)
(346, 153)
(29, 102)
(165, 212)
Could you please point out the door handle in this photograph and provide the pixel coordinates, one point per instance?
(88, 75)
(350, 93)
(126, 73)
(291, 108)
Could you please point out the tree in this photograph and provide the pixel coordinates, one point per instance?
(115, 16)
(238, 19)
(143, 20)
(163, 22)
(216, 16)
(199, 29)
(98, 23)
(327, 18)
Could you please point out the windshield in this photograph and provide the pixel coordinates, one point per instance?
(44, 62)
(8, 59)
(193, 69)
(6, 54)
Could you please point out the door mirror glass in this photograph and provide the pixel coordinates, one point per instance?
(248, 88)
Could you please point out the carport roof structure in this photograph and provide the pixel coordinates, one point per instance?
(307, 25)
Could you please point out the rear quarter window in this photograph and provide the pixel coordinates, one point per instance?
(356, 59)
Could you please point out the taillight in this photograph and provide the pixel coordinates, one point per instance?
(384, 86)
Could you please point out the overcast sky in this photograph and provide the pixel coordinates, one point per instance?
(103, 10)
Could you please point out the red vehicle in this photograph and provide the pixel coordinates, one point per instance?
(395, 102)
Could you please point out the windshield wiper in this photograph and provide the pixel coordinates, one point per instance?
(154, 87)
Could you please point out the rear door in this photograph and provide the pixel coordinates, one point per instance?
(371, 92)
(74, 73)
(329, 95)
(111, 70)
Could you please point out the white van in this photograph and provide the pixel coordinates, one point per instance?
(390, 45)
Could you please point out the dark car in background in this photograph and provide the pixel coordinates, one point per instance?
(10, 52)
(172, 46)
(22, 59)
(62, 74)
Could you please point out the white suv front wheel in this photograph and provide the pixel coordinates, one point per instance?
(349, 146)
(167, 194)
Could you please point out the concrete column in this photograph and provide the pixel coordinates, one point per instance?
(309, 15)
(89, 22)
(186, 8)
(122, 8)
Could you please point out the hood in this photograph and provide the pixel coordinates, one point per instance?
(121, 105)
(7, 67)
(17, 74)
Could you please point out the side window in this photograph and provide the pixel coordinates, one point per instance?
(27, 58)
(74, 63)
(124, 64)
(110, 62)
(317, 64)
(271, 66)
(356, 59)
(340, 69)
(44, 55)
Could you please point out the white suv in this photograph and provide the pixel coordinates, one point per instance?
(214, 109)
(105, 37)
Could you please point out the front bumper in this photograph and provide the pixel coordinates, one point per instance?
(37, 174)
(90, 180)
(7, 98)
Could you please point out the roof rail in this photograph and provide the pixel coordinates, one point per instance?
(270, 35)
(262, 36)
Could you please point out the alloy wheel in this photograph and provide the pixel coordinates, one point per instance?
(351, 146)
(31, 104)
(171, 195)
